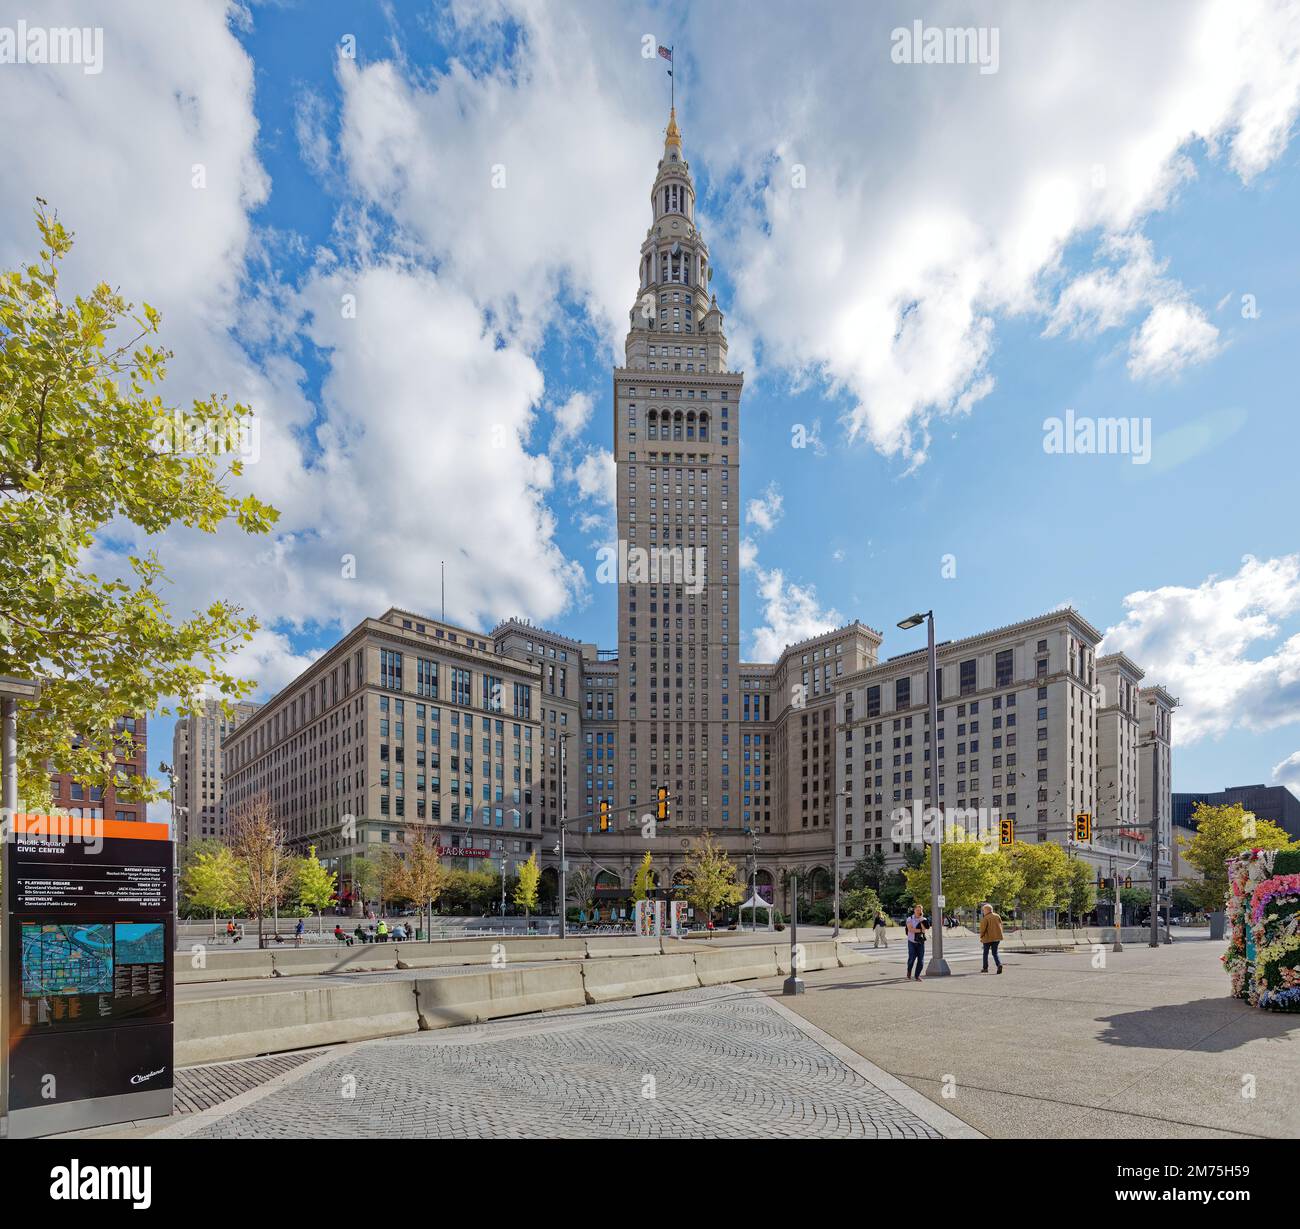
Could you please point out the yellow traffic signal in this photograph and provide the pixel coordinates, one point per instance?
(1006, 832)
(1083, 826)
(1128, 881)
(604, 814)
(663, 804)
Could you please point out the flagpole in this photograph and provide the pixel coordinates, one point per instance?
(672, 80)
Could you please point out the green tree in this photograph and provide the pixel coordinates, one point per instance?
(209, 880)
(967, 873)
(713, 879)
(529, 876)
(86, 441)
(860, 906)
(314, 885)
(1006, 879)
(365, 879)
(868, 872)
(1081, 889)
(1222, 832)
(644, 879)
(1045, 874)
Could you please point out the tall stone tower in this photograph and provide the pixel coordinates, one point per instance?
(677, 449)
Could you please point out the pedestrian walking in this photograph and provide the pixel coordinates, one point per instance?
(880, 924)
(917, 925)
(990, 936)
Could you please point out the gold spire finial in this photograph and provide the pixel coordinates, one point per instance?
(674, 136)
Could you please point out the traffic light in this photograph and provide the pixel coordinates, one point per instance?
(1162, 883)
(604, 814)
(664, 807)
(1128, 881)
(1006, 832)
(1083, 826)
(1105, 885)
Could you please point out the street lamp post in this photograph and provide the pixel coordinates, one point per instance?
(938, 966)
(564, 865)
(841, 802)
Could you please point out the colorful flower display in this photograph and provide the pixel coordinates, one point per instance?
(1263, 956)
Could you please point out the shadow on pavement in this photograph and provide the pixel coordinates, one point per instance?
(1211, 1024)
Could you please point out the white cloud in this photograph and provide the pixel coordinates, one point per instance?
(1288, 773)
(791, 612)
(1173, 336)
(765, 511)
(572, 417)
(595, 476)
(1195, 643)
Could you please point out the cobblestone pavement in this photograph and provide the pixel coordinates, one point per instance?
(200, 1088)
(715, 1063)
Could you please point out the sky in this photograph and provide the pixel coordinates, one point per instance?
(407, 236)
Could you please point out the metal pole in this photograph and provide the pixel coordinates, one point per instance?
(8, 818)
(1155, 843)
(835, 861)
(564, 865)
(1118, 945)
(794, 983)
(938, 966)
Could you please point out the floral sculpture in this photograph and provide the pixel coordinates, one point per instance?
(1263, 956)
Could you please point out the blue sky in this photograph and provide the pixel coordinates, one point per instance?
(954, 273)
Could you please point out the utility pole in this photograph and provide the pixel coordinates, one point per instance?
(1119, 906)
(564, 813)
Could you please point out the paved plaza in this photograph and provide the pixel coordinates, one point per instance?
(1140, 1043)
(724, 1062)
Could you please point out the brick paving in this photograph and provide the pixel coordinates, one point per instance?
(200, 1088)
(712, 1063)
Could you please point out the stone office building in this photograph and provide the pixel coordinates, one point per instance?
(491, 737)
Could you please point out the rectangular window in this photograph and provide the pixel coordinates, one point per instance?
(426, 678)
(967, 677)
(902, 693)
(1002, 668)
(390, 670)
(873, 701)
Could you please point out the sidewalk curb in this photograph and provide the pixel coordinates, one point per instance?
(947, 1124)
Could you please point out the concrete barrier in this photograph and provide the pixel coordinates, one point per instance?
(221, 965)
(473, 997)
(847, 955)
(546, 948)
(821, 954)
(360, 958)
(623, 945)
(241, 1026)
(738, 963)
(625, 977)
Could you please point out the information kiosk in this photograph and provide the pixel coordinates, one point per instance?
(88, 942)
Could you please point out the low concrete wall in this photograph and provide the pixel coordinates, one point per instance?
(221, 965)
(360, 958)
(820, 954)
(626, 977)
(241, 1026)
(738, 963)
(468, 999)
(623, 945)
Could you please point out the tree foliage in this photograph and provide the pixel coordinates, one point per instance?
(264, 867)
(1222, 832)
(209, 880)
(529, 876)
(644, 879)
(313, 884)
(86, 440)
(713, 878)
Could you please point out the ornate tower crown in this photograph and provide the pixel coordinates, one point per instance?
(674, 303)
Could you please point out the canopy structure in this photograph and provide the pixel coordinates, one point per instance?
(753, 904)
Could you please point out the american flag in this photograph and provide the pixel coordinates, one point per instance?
(667, 53)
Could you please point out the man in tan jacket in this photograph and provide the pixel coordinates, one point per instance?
(990, 936)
